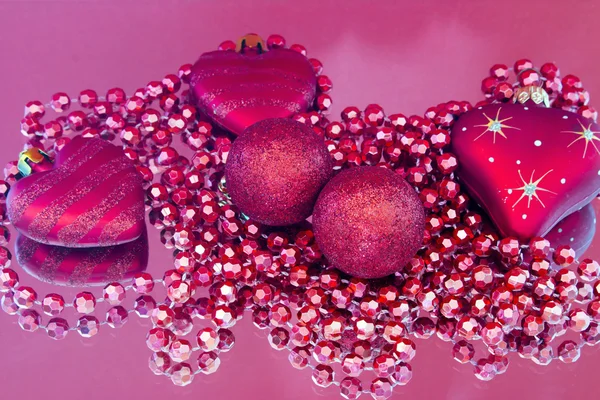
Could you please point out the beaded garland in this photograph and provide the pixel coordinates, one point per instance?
(465, 283)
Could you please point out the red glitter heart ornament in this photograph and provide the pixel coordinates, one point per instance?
(236, 89)
(527, 166)
(92, 197)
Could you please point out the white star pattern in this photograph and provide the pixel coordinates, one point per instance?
(530, 189)
(586, 134)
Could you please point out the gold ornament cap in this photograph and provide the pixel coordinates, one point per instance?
(33, 160)
(534, 93)
(251, 41)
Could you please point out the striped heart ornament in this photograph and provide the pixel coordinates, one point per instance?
(93, 196)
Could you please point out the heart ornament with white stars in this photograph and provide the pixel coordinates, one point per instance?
(528, 166)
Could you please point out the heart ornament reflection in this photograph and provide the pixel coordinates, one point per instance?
(82, 266)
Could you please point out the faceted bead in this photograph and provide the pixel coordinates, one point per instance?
(114, 293)
(88, 326)
(181, 374)
(381, 389)
(226, 340)
(564, 256)
(579, 320)
(532, 325)
(180, 291)
(404, 350)
(423, 328)
(277, 241)
(393, 331)
(588, 270)
(223, 316)
(402, 373)
(144, 305)
(350, 388)
(323, 375)
(84, 303)
(507, 314)
(116, 317)
(279, 338)
(60, 102)
(446, 329)
(208, 362)
(279, 315)
(463, 351)
(492, 334)
(324, 352)
(543, 287)
(485, 369)
(24, 297)
(159, 339)
(53, 304)
(523, 301)
(363, 327)
(162, 316)
(159, 363)
(353, 365)
(29, 320)
(482, 277)
(299, 357)
(260, 317)
(180, 350)
(567, 293)
(143, 283)
(544, 356)
(8, 305)
(57, 328)
(591, 336)
(515, 278)
(451, 306)
(480, 305)
(8, 279)
(568, 352)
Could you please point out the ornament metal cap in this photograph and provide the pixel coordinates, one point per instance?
(33, 160)
(251, 41)
(534, 93)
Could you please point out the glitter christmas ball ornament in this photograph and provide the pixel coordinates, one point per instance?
(91, 196)
(369, 222)
(238, 88)
(275, 171)
(528, 166)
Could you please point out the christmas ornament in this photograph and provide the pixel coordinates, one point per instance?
(82, 267)
(576, 230)
(239, 88)
(368, 222)
(527, 166)
(92, 196)
(275, 171)
(355, 335)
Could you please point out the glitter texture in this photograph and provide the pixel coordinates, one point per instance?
(123, 222)
(92, 197)
(275, 171)
(237, 90)
(49, 216)
(18, 202)
(71, 234)
(368, 222)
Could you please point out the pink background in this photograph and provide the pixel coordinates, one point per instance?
(400, 54)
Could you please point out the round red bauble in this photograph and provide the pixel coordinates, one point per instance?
(368, 222)
(275, 171)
